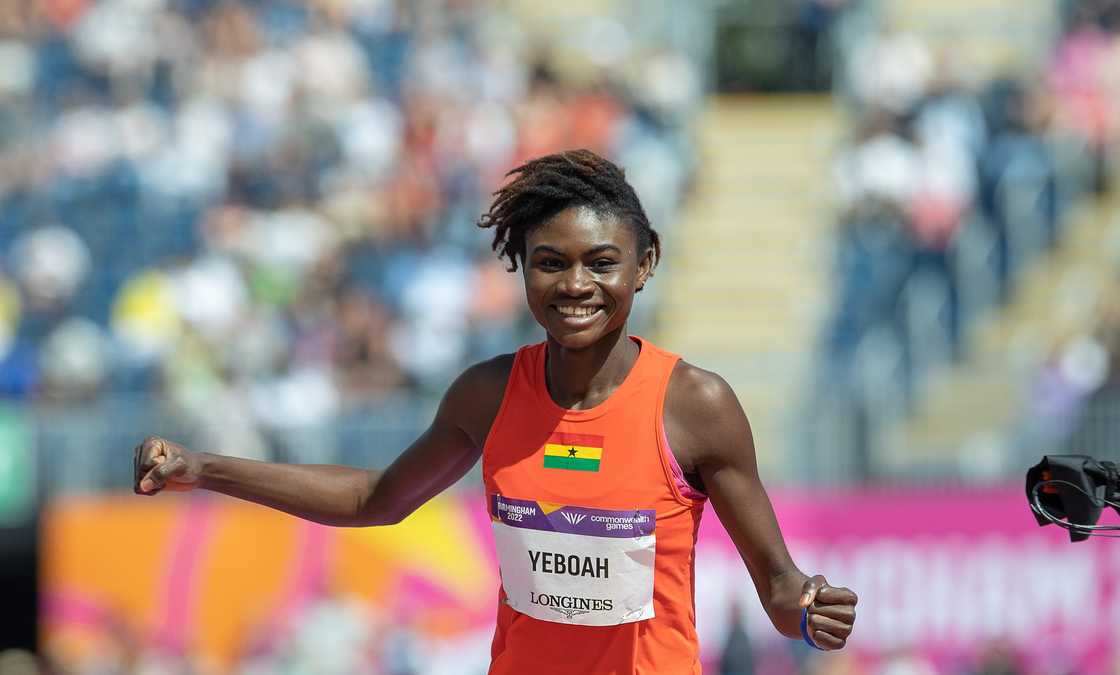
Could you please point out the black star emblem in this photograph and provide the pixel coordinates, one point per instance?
(571, 452)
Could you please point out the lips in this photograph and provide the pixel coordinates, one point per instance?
(578, 315)
(577, 310)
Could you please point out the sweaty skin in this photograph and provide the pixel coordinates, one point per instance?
(581, 271)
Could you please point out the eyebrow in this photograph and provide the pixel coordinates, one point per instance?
(543, 248)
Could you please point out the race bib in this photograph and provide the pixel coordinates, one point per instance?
(570, 564)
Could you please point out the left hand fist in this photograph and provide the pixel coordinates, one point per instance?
(832, 612)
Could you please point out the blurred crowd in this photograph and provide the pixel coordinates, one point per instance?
(1075, 397)
(265, 211)
(949, 186)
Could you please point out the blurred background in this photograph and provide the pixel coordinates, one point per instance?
(249, 227)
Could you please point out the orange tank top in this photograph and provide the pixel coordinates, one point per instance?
(595, 539)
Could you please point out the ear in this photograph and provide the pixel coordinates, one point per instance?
(645, 269)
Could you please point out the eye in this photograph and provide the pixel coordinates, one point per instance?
(549, 263)
(603, 263)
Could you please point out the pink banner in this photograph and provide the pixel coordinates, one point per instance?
(946, 574)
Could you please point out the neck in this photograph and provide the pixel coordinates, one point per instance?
(583, 378)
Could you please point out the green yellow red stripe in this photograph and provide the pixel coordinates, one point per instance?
(574, 452)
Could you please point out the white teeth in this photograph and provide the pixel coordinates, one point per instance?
(568, 310)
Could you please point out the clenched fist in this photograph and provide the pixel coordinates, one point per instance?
(831, 613)
(160, 464)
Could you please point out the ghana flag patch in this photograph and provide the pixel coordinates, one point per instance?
(574, 452)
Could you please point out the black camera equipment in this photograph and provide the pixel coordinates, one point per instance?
(1075, 488)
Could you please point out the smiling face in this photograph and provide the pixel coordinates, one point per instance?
(581, 272)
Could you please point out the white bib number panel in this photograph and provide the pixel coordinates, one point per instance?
(575, 565)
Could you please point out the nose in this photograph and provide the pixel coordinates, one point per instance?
(576, 281)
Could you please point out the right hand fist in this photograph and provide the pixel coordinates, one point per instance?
(160, 464)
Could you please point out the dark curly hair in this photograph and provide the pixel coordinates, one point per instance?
(548, 185)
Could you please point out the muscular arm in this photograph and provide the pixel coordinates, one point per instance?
(711, 436)
(705, 420)
(345, 496)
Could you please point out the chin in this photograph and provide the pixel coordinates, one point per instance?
(576, 341)
(581, 339)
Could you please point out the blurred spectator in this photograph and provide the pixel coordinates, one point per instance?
(890, 69)
(1084, 80)
(737, 656)
(50, 263)
(998, 660)
(74, 360)
(333, 635)
(1076, 391)
(907, 664)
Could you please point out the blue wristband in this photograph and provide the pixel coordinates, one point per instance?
(805, 630)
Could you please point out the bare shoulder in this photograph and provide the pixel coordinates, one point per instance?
(702, 415)
(698, 393)
(488, 374)
(474, 398)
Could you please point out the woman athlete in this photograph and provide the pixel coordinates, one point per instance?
(598, 452)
